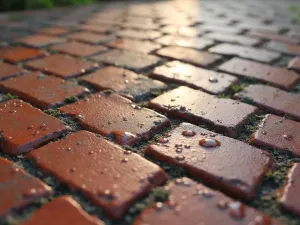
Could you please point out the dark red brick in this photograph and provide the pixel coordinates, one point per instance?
(114, 178)
(62, 210)
(136, 34)
(111, 114)
(20, 54)
(278, 133)
(275, 37)
(278, 77)
(42, 91)
(90, 38)
(135, 45)
(232, 38)
(62, 65)
(24, 127)
(17, 188)
(288, 49)
(189, 55)
(124, 82)
(8, 70)
(291, 193)
(272, 99)
(78, 49)
(193, 203)
(245, 52)
(128, 59)
(40, 40)
(295, 64)
(224, 115)
(54, 30)
(194, 77)
(198, 43)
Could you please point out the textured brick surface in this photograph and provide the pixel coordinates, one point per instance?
(232, 38)
(295, 64)
(114, 178)
(275, 37)
(289, 49)
(8, 70)
(143, 35)
(19, 54)
(90, 38)
(135, 45)
(40, 40)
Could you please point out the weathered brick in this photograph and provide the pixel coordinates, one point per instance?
(78, 49)
(193, 203)
(135, 45)
(128, 59)
(245, 52)
(20, 54)
(288, 49)
(259, 27)
(62, 65)
(54, 30)
(278, 77)
(221, 29)
(8, 70)
(181, 31)
(42, 91)
(295, 64)
(124, 82)
(40, 40)
(114, 178)
(232, 38)
(198, 43)
(272, 99)
(189, 55)
(224, 115)
(275, 37)
(90, 38)
(194, 77)
(103, 28)
(144, 35)
(290, 195)
(62, 210)
(24, 127)
(140, 26)
(17, 188)
(111, 114)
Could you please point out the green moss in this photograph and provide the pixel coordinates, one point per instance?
(11, 96)
(160, 194)
(71, 99)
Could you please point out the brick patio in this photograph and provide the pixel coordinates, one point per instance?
(151, 113)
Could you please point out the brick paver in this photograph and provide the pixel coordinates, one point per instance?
(128, 59)
(41, 90)
(278, 77)
(181, 31)
(232, 38)
(20, 54)
(24, 127)
(103, 28)
(279, 133)
(40, 40)
(17, 188)
(289, 49)
(62, 210)
(272, 99)
(189, 55)
(56, 31)
(295, 64)
(8, 70)
(90, 38)
(245, 52)
(111, 114)
(124, 82)
(197, 204)
(194, 77)
(114, 178)
(275, 37)
(143, 35)
(135, 45)
(290, 194)
(62, 65)
(224, 115)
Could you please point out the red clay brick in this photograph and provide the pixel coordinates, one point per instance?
(198, 43)
(8, 70)
(114, 178)
(193, 203)
(278, 77)
(295, 64)
(272, 99)
(62, 210)
(140, 26)
(194, 77)
(90, 38)
(232, 38)
(279, 133)
(291, 193)
(41, 40)
(112, 114)
(128, 59)
(24, 127)
(62, 65)
(189, 55)
(288, 49)
(42, 91)
(124, 82)
(275, 37)
(17, 188)
(245, 52)
(54, 30)
(144, 35)
(181, 31)
(103, 28)
(78, 49)
(135, 45)
(20, 54)
(259, 27)
(224, 115)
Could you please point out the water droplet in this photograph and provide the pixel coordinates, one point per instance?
(287, 136)
(264, 132)
(30, 127)
(43, 125)
(178, 150)
(213, 79)
(12, 111)
(68, 149)
(127, 152)
(163, 140)
(187, 146)
(158, 205)
(180, 157)
(222, 204)
(15, 170)
(236, 210)
(126, 81)
(125, 160)
(73, 169)
(91, 152)
(9, 138)
(209, 143)
(30, 192)
(261, 220)
(188, 133)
